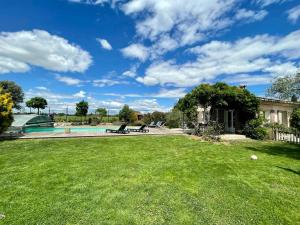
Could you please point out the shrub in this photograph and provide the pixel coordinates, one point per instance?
(173, 119)
(137, 123)
(254, 129)
(295, 119)
(6, 117)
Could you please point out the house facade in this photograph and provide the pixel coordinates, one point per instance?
(274, 111)
(277, 111)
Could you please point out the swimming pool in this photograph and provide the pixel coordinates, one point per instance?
(62, 130)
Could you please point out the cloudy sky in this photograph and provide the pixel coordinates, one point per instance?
(145, 53)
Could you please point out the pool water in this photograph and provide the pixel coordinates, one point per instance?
(62, 130)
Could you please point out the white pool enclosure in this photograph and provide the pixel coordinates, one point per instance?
(22, 121)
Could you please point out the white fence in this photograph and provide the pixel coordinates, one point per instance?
(291, 137)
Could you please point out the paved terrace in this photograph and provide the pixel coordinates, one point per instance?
(41, 135)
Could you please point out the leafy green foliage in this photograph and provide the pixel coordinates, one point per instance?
(82, 108)
(219, 95)
(6, 112)
(102, 112)
(127, 115)
(174, 119)
(295, 119)
(285, 87)
(14, 90)
(255, 130)
(37, 103)
(154, 117)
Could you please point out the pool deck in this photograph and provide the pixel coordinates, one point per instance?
(45, 135)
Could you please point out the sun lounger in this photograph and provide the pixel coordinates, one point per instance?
(121, 130)
(141, 129)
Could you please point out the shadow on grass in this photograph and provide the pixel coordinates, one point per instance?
(10, 137)
(287, 150)
(289, 170)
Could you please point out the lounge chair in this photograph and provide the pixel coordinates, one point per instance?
(160, 124)
(121, 130)
(141, 129)
(152, 124)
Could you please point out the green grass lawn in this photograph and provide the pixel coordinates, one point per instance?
(148, 180)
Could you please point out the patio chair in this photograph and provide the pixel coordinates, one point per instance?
(141, 129)
(152, 124)
(121, 130)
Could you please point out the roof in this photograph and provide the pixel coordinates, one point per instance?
(278, 101)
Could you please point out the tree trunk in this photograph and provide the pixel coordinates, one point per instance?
(38, 111)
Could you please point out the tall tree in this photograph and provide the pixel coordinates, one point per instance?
(14, 90)
(126, 114)
(38, 103)
(285, 87)
(6, 112)
(29, 104)
(101, 112)
(82, 108)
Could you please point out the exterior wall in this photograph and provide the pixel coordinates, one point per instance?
(274, 111)
(277, 112)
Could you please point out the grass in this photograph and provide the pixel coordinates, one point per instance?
(148, 180)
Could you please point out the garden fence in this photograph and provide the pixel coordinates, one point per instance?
(287, 136)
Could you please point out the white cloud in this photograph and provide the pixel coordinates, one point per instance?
(90, 2)
(250, 15)
(137, 51)
(294, 14)
(170, 93)
(147, 105)
(68, 80)
(247, 55)
(104, 44)
(163, 93)
(20, 50)
(247, 79)
(264, 3)
(131, 73)
(107, 82)
(10, 65)
(41, 88)
(80, 94)
(177, 18)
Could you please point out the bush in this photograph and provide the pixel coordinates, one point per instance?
(173, 119)
(6, 117)
(295, 119)
(254, 129)
(137, 123)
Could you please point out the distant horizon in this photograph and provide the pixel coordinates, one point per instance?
(144, 53)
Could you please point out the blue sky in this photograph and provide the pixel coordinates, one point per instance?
(145, 53)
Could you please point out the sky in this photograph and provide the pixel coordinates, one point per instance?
(144, 53)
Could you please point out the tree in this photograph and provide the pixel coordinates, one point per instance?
(6, 111)
(82, 108)
(285, 87)
(127, 115)
(14, 90)
(295, 119)
(219, 96)
(29, 104)
(158, 116)
(174, 119)
(101, 112)
(38, 103)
